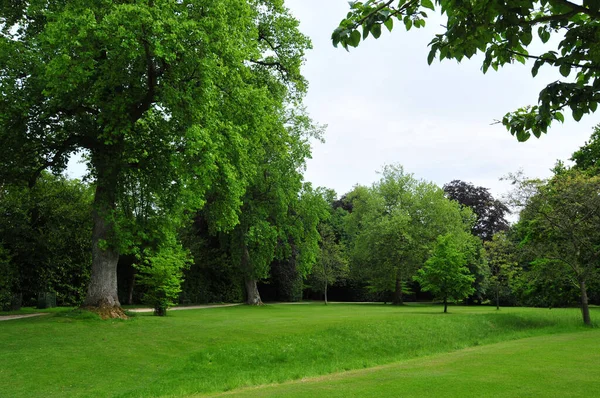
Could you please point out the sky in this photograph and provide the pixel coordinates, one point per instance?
(383, 104)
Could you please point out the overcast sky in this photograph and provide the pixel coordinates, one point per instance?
(383, 104)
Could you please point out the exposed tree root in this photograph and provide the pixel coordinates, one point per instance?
(107, 311)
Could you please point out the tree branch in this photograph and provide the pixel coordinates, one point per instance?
(579, 8)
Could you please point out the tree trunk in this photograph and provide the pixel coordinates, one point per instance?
(497, 297)
(325, 292)
(585, 309)
(102, 294)
(445, 305)
(130, 290)
(398, 299)
(252, 294)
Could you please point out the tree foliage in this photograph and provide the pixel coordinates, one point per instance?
(168, 99)
(501, 255)
(491, 213)
(504, 32)
(587, 158)
(161, 273)
(395, 224)
(561, 224)
(46, 230)
(445, 273)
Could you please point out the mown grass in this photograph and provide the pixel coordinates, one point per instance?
(221, 349)
(563, 365)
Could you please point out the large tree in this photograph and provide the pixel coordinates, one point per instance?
(171, 95)
(503, 31)
(560, 223)
(491, 213)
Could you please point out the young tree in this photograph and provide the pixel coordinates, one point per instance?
(161, 273)
(503, 31)
(501, 259)
(445, 273)
(332, 264)
(172, 94)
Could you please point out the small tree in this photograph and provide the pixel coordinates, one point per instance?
(445, 273)
(332, 264)
(161, 273)
(500, 255)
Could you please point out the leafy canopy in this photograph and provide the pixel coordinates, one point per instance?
(445, 273)
(504, 32)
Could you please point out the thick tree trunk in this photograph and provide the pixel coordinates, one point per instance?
(252, 294)
(398, 299)
(102, 294)
(585, 309)
(326, 293)
(445, 305)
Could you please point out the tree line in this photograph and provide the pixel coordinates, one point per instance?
(402, 238)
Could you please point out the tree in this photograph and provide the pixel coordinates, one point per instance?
(332, 264)
(445, 273)
(501, 259)
(395, 224)
(173, 96)
(561, 223)
(503, 31)
(587, 158)
(161, 272)
(46, 229)
(490, 212)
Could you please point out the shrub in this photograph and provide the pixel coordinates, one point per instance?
(161, 273)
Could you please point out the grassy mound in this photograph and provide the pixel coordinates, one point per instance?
(211, 351)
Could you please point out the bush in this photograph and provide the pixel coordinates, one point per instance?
(8, 279)
(161, 273)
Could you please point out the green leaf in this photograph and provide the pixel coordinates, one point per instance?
(354, 38)
(376, 31)
(565, 70)
(389, 24)
(559, 116)
(427, 4)
(523, 136)
(577, 114)
(526, 38)
(431, 57)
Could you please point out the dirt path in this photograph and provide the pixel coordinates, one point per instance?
(191, 307)
(9, 317)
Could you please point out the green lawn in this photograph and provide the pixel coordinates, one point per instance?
(563, 365)
(221, 349)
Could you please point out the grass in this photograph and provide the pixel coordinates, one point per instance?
(563, 365)
(210, 351)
